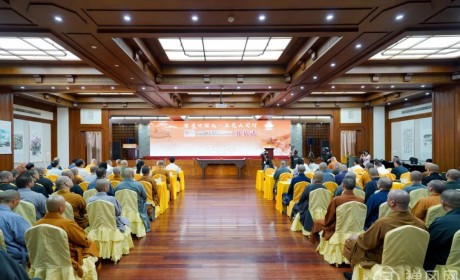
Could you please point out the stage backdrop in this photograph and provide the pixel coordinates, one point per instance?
(219, 138)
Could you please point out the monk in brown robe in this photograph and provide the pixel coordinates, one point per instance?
(328, 224)
(80, 245)
(147, 178)
(420, 209)
(368, 246)
(63, 185)
(116, 174)
(161, 170)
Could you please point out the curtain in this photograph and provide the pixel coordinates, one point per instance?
(347, 143)
(93, 145)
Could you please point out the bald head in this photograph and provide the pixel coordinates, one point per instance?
(161, 163)
(8, 196)
(301, 168)
(350, 175)
(68, 173)
(416, 176)
(55, 203)
(450, 199)
(437, 186)
(322, 166)
(116, 171)
(129, 173)
(318, 177)
(385, 183)
(6, 177)
(102, 185)
(283, 163)
(373, 172)
(398, 200)
(433, 168)
(343, 167)
(453, 175)
(62, 183)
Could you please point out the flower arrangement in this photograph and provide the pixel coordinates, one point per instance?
(36, 146)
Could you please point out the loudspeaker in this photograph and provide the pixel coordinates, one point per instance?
(310, 141)
(324, 144)
(116, 149)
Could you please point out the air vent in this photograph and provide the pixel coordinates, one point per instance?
(30, 112)
(413, 110)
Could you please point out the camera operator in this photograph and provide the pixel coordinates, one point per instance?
(266, 161)
(294, 157)
(365, 157)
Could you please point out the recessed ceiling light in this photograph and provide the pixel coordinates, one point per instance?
(67, 88)
(427, 93)
(363, 86)
(207, 87)
(405, 99)
(195, 18)
(292, 94)
(112, 88)
(23, 87)
(175, 87)
(82, 87)
(377, 87)
(94, 47)
(58, 18)
(392, 86)
(330, 17)
(332, 64)
(238, 87)
(53, 87)
(262, 17)
(315, 77)
(284, 100)
(358, 46)
(132, 78)
(422, 86)
(269, 87)
(143, 88)
(332, 86)
(116, 65)
(278, 104)
(388, 103)
(399, 17)
(127, 18)
(302, 87)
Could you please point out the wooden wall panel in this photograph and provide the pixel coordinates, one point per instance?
(77, 130)
(446, 127)
(6, 114)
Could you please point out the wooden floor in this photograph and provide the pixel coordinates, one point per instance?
(221, 229)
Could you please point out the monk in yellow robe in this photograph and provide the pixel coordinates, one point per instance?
(80, 245)
(63, 185)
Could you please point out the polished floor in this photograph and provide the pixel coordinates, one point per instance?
(221, 229)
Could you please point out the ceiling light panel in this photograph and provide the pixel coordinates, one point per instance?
(422, 47)
(224, 49)
(25, 48)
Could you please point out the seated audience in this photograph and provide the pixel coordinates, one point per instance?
(332, 163)
(302, 206)
(25, 184)
(427, 166)
(356, 168)
(124, 165)
(283, 169)
(118, 163)
(368, 246)
(416, 179)
(336, 169)
(109, 167)
(327, 226)
(339, 190)
(72, 165)
(373, 203)
(77, 179)
(327, 173)
(6, 181)
(55, 168)
(343, 171)
(294, 159)
(13, 227)
(128, 183)
(101, 173)
(81, 169)
(45, 182)
(92, 176)
(300, 162)
(371, 186)
(301, 177)
(139, 165)
(398, 169)
(172, 165)
(436, 187)
(80, 246)
(116, 174)
(63, 185)
(30, 166)
(146, 177)
(92, 163)
(365, 177)
(161, 170)
(102, 186)
(442, 230)
(75, 188)
(56, 159)
(37, 187)
(381, 168)
(433, 170)
(11, 269)
(312, 165)
(453, 176)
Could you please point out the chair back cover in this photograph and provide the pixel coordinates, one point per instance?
(309, 175)
(359, 193)
(350, 217)
(110, 177)
(405, 245)
(416, 195)
(101, 214)
(84, 186)
(298, 190)
(384, 210)
(2, 241)
(269, 171)
(331, 186)
(389, 175)
(285, 176)
(89, 193)
(128, 200)
(454, 256)
(160, 177)
(27, 211)
(148, 189)
(68, 212)
(318, 202)
(433, 213)
(114, 183)
(49, 254)
(396, 185)
(405, 176)
(52, 177)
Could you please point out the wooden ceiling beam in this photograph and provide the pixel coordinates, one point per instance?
(145, 50)
(48, 69)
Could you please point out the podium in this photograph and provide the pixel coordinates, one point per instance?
(132, 151)
(269, 151)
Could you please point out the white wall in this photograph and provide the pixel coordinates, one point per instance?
(412, 135)
(24, 132)
(63, 141)
(379, 132)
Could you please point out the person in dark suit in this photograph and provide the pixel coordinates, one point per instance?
(442, 230)
(433, 170)
(398, 169)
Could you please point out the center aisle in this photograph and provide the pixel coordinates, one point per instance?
(221, 229)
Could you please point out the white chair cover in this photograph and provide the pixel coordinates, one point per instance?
(384, 210)
(49, 255)
(403, 255)
(350, 220)
(2, 241)
(128, 201)
(359, 193)
(318, 202)
(433, 213)
(68, 213)
(27, 211)
(112, 243)
(417, 195)
(89, 193)
(453, 261)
